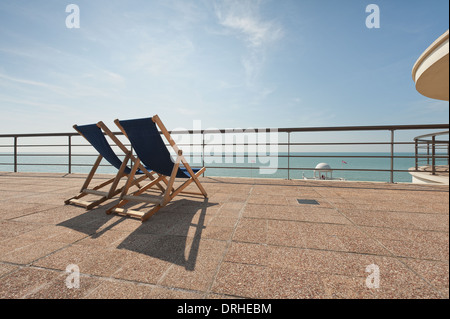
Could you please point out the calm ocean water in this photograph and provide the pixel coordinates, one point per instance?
(249, 166)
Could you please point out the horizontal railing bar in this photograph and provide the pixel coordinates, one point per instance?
(39, 135)
(43, 164)
(425, 145)
(55, 164)
(90, 165)
(366, 128)
(268, 143)
(423, 162)
(280, 144)
(219, 167)
(84, 145)
(309, 168)
(349, 143)
(310, 156)
(431, 156)
(246, 144)
(422, 137)
(42, 145)
(233, 167)
(36, 155)
(431, 142)
(324, 129)
(283, 144)
(299, 144)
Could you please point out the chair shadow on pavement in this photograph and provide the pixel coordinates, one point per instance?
(93, 222)
(173, 234)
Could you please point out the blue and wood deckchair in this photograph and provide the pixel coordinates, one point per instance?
(151, 150)
(95, 135)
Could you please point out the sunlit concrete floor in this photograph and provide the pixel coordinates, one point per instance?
(250, 239)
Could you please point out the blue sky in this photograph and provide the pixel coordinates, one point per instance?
(240, 63)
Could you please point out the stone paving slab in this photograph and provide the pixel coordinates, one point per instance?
(251, 238)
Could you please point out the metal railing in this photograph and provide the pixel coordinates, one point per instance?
(432, 145)
(17, 146)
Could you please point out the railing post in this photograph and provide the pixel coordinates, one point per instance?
(433, 158)
(70, 154)
(289, 155)
(416, 146)
(15, 154)
(448, 153)
(392, 157)
(203, 150)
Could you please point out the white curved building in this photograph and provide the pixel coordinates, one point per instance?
(431, 71)
(431, 76)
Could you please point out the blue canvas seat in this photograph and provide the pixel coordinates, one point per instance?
(95, 135)
(151, 151)
(150, 147)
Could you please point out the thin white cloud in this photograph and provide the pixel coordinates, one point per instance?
(32, 83)
(41, 105)
(71, 87)
(242, 18)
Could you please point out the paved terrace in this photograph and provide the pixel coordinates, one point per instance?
(250, 239)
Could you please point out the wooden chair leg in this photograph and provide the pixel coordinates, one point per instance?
(92, 173)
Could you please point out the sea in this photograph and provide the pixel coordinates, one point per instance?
(350, 166)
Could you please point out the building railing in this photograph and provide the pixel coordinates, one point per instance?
(432, 145)
(17, 142)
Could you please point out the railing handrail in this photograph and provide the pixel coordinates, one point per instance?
(423, 137)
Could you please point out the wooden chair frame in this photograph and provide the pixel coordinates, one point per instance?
(113, 182)
(168, 193)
